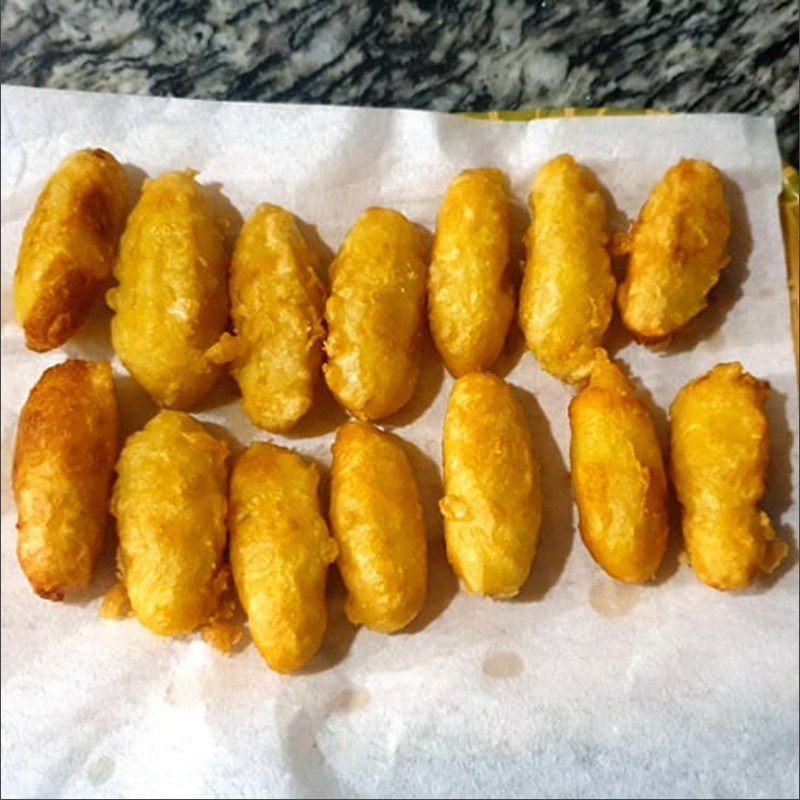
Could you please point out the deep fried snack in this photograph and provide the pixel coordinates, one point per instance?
(677, 251)
(65, 452)
(567, 294)
(280, 550)
(376, 518)
(375, 315)
(492, 506)
(470, 296)
(68, 247)
(277, 303)
(170, 502)
(720, 449)
(618, 475)
(172, 302)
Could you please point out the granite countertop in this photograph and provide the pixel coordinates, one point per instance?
(690, 55)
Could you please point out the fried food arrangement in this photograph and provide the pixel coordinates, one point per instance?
(492, 506)
(171, 303)
(280, 550)
(567, 294)
(470, 296)
(170, 503)
(375, 315)
(677, 251)
(63, 461)
(618, 475)
(277, 304)
(376, 518)
(720, 445)
(68, 247)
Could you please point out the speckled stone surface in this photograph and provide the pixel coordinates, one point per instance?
(691, 55)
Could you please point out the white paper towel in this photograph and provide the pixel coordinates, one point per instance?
(580, 687)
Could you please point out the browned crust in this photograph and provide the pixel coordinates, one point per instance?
(70, 416)
(61, 309)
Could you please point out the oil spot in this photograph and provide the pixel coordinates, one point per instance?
(610, 598)
(100, 770)
(716, 342)
(502, 666)
(350, 701)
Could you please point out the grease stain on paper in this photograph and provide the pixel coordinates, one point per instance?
(611, 599)
(350, 701)
(502, 666)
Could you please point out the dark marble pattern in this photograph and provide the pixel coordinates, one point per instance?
(694, 55)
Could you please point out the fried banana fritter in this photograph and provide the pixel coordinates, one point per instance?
(170, 502)
(677, 251)
(280, 551)
(567, 294)
(375, 315)
(172, 302)
(618, 475)
(69, 247)
(470, 296)
(277, 304)
(492, 506)
(64, 458)
(376, 518)
(720, 445)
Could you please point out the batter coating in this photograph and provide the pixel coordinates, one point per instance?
(618, 475)
(492, 506)
(280, 550)
(277, 303)
(170, 502)
(172, 302)
(677, 251)
(470, 296)
(376, 518)
(63, 460)
(69, 247)
(567, 294)
(375, 315)
(720, 447)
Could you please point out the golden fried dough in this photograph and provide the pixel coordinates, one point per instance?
(492, 506)
(68, 247)
(277, 303)
(470, 296)
(375, 315)
(567, 294)
(720, 444)
(677, 251)
(376, 518)
(65, 452)
(170, 501)
(171, 303)
(618, 475)
(280, 550)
